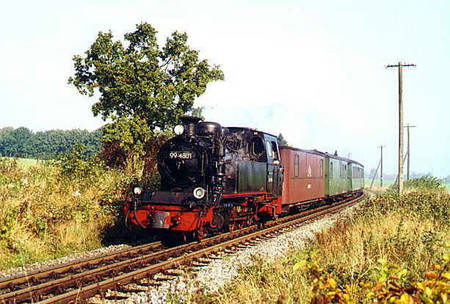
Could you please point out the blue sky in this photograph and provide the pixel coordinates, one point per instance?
(312, 70)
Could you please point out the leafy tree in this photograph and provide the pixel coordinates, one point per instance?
(198, 112)
(22, 142)
(124, 141)
(16, 142)
(5, 130)
(139, 78)
(281, 140)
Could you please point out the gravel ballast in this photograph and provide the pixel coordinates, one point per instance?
(70, 259)
(218, 272)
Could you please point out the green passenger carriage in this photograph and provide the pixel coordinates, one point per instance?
(356, 175)
(342, 175)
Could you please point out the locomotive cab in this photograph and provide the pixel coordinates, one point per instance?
(256, 167)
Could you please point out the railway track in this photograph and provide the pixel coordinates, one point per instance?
(85, 279)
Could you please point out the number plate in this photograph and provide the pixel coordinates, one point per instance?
(180, 155)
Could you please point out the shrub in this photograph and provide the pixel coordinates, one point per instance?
(425, 183)
(77, 165)
(389, 283)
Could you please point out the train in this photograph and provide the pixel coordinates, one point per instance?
(216, 179)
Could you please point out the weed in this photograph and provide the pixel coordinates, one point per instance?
(52, 209)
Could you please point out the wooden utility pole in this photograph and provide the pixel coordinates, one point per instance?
(381, 161)
(404, 159)
(408, 151)
(375, 174)
(400, 66)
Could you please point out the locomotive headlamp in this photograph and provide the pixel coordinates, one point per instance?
(199, 192)
(137, 190)
(179, 129)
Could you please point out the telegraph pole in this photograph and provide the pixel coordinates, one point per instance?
(375, 174)
(400, 66)
(381, 161)
(408, 151)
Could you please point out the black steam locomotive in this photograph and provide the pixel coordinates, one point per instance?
(213, 179)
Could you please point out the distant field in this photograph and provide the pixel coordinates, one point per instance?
(26, 162)
(387, 183)
(376, 183)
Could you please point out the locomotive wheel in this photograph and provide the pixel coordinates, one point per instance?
(199, 234)
(218, 223)
(249, 222)
(231, 227)
(186, 237)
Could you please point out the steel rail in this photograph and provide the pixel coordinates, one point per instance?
(88, 283)
(148, 271)
(72, 268)
(35, 292)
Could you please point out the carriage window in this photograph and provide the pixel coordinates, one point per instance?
(296, 161)
(331, 170)
(321, 167)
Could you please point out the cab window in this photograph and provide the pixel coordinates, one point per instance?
(275, 151)
(269, 149)
(256, 149)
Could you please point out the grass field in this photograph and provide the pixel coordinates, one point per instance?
(388, 183)
(376, 182)
(25, 163)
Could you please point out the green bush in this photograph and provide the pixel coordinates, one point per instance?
(425, 183)
(77, 165)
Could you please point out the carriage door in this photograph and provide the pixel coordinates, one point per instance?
(274, 177)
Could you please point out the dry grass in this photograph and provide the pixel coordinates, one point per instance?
(389, 235)
(46, 214)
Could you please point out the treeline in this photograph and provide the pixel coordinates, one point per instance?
(22, 142)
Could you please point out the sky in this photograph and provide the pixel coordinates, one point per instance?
(311, 70)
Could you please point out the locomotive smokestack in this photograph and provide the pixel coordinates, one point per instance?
(189, 123)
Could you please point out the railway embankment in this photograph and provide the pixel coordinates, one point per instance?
(392, 249)
(56, 208)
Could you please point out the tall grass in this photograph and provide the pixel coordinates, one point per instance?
(395, 248)
(52, 209)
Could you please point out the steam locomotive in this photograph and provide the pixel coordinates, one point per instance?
(216, 179)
